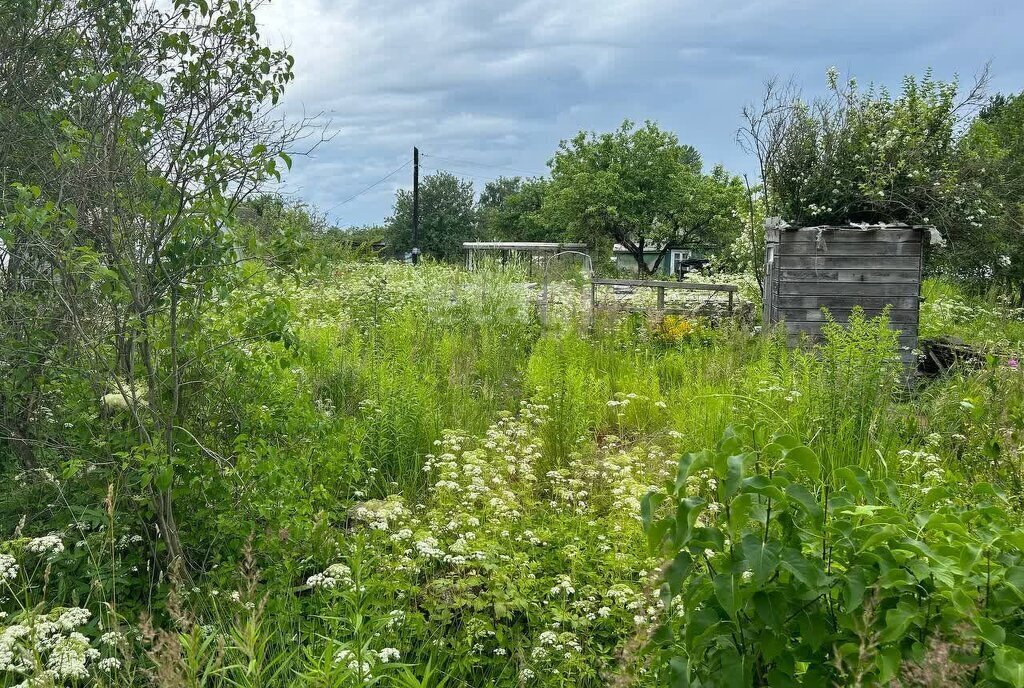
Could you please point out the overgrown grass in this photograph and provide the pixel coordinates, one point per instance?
(983, 322)
(469, 479)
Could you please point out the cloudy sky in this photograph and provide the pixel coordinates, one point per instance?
(489, 87)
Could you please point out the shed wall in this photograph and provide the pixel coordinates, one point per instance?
(839, 268)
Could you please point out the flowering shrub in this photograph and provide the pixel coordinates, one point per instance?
(51, 649)
(673, 328)
(500, 564)
(869, 156)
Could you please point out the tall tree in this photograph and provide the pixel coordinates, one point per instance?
(510, 210)
(994, 147)
(156, 122)
(447, 216)
(638, 187)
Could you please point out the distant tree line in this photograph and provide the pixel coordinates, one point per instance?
(932, 154)
(637, 187)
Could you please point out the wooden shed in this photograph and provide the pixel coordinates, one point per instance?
(840, 267)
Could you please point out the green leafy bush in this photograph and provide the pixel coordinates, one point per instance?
(777, 579)
(869, 156)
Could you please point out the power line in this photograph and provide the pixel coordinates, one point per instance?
(479, 164)
(379, 181)
(462, 173)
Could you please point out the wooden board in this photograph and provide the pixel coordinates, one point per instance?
(868, 249)
(813, 235)
(875, 303)
(842, 315)
(851, 275)
(833, 289)
(825, 261)
(665, 284)
(795, 330)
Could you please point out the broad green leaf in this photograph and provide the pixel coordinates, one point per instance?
(739, 513)
(1008, 665)
(762, 557)
(678, 571)
(686, 517)
(888, 662)
(810, 572)
(805, 499)
(985, 629)
(802, 460)
(897, 622)
(649, 506)
(734, 474)
(726, 588)
(680, 670)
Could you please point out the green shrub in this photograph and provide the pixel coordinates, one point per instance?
(775, 579)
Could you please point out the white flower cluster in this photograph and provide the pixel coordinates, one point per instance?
(363, 666)
(381, 514)
(48, 648)
(8, 567)
(334, 576)
(126, 541)
(47, 544)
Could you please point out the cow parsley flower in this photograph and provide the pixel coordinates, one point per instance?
(109, 664)
(8, 567)
(333, 576)
(47, 544)
(72, 618)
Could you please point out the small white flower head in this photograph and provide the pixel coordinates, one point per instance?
(111, 638)
(72, 618)
(333, 576)
(47, 544)
(389, 654)
(109, 664)
(8, 567)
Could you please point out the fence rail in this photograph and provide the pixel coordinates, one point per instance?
(661, 286)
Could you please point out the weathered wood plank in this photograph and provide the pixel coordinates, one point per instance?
(811, 235)
(826, 289)
(814, 327)
(828, 261)
(842, 315)
(849, 248)
(904, 343)
(666, 284)
(849, 301)
(850, 275)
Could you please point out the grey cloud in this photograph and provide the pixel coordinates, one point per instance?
(499, 82)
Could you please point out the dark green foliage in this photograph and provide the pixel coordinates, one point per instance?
(447, 217)
(775, 579)
(509, 209)
(639, 187)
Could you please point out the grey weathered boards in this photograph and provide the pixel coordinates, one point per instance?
(838, 268)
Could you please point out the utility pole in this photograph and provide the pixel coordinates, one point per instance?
(415, 204)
